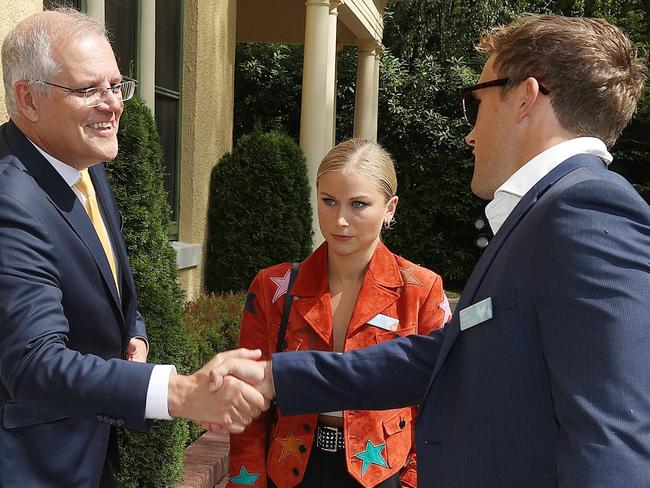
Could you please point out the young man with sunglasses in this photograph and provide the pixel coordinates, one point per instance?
(541, 379)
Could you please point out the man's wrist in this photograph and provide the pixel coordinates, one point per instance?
(268, 375)
(180, 391)
(176, 394)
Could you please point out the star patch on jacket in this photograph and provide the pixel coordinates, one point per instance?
(371, 455)
(290, 446)
(408, 275)
(281, 284)
(444, 306)
(244, 477)
(250, 303)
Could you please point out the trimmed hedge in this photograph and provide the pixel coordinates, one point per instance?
(259, 212)
(153, 459)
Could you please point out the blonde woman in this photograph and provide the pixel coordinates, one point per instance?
(350, 293)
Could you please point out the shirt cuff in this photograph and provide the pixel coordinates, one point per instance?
(156, 406)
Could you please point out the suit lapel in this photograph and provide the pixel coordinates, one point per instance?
(105, 197)
(65, 201)
(483, 265)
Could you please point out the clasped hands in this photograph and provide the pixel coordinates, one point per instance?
(226, 394)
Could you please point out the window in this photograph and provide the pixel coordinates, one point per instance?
(121, 18)
(52, 4)
(168, 96)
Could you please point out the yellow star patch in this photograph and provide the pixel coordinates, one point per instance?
(290, 445)
(408, 275)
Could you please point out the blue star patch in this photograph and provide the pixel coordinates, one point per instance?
(245, 478)
(371, 455)
(250, 305)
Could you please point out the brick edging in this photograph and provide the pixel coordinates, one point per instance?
(206, 462)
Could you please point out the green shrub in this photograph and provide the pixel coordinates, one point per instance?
(212, 322)
(153, 459)
(259, 212)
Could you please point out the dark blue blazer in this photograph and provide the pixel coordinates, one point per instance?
(63, 326)
(554, 389)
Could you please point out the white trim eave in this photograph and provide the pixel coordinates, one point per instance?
(363, 19)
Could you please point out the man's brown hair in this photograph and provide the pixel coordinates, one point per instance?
(591, 69)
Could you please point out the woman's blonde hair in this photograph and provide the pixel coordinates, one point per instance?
(366, 157)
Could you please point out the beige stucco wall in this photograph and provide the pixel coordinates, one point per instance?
(207, 116)
(13, 11)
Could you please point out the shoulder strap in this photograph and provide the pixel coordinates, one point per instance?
(282, 343)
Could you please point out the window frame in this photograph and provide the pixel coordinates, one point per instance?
(173, 227)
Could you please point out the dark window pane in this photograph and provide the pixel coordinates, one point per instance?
(168, 25)
(167, 119)
(52, 4)
(121, 22)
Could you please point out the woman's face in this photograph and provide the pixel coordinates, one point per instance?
(351, 211)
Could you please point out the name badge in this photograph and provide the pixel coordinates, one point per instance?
(475, 314)
(384, 322)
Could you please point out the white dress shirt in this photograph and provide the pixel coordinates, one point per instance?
(507, 196)
(156, 403)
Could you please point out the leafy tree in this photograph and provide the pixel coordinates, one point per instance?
(420, 124)
(268, 88)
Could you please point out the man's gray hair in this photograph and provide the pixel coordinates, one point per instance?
(27, 49)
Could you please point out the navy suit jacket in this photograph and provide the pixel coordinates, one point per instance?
(554, 389)
(63, 326)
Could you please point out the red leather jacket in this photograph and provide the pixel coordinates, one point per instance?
(392, 287)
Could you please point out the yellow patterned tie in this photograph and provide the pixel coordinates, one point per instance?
(85, 186)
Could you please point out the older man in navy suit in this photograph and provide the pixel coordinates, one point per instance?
(542, 377)
(72, 343)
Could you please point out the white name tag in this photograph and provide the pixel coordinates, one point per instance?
(384, 322)
(475, 314)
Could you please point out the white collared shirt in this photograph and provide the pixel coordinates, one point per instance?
(156, 402)
(507, 196)
(68, 173)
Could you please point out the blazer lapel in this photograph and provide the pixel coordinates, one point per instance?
(66, 202)
(314, 304)
(378, 290)
(483, 265)
(312, 300)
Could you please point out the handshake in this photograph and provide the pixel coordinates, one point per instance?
(226, 394)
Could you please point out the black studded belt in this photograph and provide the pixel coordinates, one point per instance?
(330, 439)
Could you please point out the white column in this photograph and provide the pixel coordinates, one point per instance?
(147, 52)
(97, 10)
(315, 125)
(365, 92)
(330, 96)
(375, 91)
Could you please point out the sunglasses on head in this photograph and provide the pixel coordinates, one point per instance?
(471, 104)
